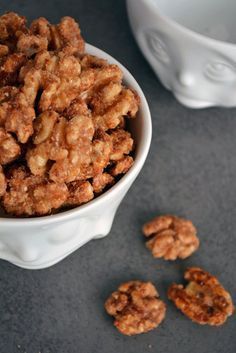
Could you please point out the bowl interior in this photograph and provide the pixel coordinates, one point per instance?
(213, 18)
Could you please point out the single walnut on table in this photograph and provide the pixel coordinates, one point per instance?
(172, 237)
(204, 300)
(136, 307)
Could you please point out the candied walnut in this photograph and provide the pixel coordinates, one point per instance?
(30, 44)
(77, 107)
(68, 143)
(57, 76)
(66, 35)
(16, 115)
(30, 195)
(122, 144)
(101, 181)
(203, 300)
(7, 93)
(9, 149)
(4, 50)
(11, 25)
(136, 307)
(9, 68)
(3, 184)
(79, 192)
(172, 237)
(95, 74)
(92, 61)
(43, 126)
(79, 161)
(125, 104)
(105, 96)
(101, 150)
(122, 166)
(103, 72)
(41, 27)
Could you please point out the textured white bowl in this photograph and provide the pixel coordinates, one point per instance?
(190, 45)
(37, 243)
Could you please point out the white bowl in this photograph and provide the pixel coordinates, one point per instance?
(191, 46)
(40, 242)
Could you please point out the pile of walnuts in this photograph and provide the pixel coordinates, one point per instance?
(63, 137)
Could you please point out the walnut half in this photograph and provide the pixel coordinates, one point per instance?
(204, 300)
(172, 237)
(136, 307)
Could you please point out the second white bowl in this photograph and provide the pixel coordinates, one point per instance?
(191, 46)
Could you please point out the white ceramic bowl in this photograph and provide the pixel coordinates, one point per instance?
(191, 46)
(37, 243)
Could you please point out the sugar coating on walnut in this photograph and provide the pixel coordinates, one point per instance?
(9, 68)
(32, 195)
(101, 181)
(79, 192)
(122, 166)
(204, 300)
(11, 26)
(171, 237)
(66, 142)
(9, 148)
(123, 104)
(136, 307)
(122, 144)
(57, 75)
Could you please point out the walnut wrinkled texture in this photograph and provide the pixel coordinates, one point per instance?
(9, 149)
(101, 181)
(172, 237)
(63, 118)
(136, 307)
(32, 195)
(203, 300)
(79, 192)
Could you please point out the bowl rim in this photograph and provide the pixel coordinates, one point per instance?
(125, 180)
(198, 36)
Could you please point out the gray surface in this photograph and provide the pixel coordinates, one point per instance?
(190, 171)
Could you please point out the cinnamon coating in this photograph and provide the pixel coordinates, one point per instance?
(32, 195)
